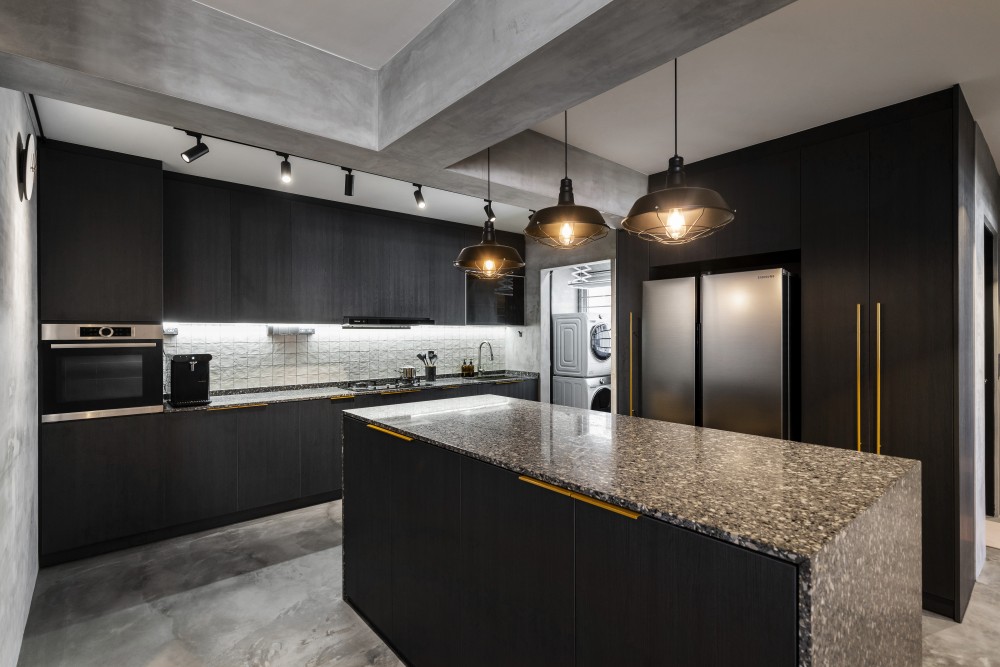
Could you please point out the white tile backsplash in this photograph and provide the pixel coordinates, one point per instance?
(244, 356)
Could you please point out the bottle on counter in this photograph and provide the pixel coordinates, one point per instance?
(468, 369)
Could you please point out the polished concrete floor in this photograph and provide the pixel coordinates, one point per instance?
(268, 594)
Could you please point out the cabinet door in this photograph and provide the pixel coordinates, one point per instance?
(200, 463)
(495, 301)
(268, 440)
(707, 602)
(315, 232)
(100, 236)
(262, 252)
(99, 479)
(835, 292)
(446, 284)
(321, 439)
(609, 589)
(425, 553)
(367, 521)
(517, 560)
(912, 265)
(197, 252)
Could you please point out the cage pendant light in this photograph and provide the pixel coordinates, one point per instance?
(566, 225)
(489, 260)
(678, 213)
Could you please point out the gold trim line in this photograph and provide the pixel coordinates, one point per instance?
(341, 398)
(392, 433)
(579, 496)
(858, 371)
(878, 378)
(631, 410)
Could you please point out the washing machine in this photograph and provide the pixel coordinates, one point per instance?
(581, 345)
(586, 393)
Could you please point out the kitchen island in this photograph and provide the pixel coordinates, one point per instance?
(493, 531)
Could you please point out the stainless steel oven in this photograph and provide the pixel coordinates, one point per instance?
(100, 370)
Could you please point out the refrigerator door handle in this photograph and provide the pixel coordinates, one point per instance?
(858, 371)
(878, 378)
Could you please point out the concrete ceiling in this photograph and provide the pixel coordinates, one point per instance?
(251, 166)
(806, 64)
(368, 33)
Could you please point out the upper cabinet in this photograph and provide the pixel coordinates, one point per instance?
(100, 236)
(239, 254)
(495, 301)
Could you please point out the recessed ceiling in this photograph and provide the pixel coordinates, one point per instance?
(76, 124)
(807, 64)
(368, 33)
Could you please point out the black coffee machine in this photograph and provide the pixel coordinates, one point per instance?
(189, 379)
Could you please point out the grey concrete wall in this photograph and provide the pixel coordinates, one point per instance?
(19, 384)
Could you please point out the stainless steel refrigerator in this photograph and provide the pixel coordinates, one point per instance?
(716, 347)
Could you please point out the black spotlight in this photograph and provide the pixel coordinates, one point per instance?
(348, 183)
(418, 195)
(490, 215)
(286, 168)
(196, 151)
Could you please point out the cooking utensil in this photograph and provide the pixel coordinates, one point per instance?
(422, 357)
(433, 357)
(407, 373)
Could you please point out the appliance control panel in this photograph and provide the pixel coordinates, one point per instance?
(105, 332)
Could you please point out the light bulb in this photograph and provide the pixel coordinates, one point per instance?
(675, 224)
(489, 267)
(566, 234)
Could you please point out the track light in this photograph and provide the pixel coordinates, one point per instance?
(490, 215)
(348, 182)
(286, 168)
(418, 195)
(196, 151)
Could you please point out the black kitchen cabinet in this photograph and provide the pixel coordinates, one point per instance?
(516, 555)
(706, 602)
(100, 236)
(834, 288)
(610, 592)
(321, 441)
(315, 233)
(425, 550)
(197, 251)
(200, 462)
(368, 519)
(262, 253)
(99, 479)
(526, 389)
(495, 302)
(269, 464)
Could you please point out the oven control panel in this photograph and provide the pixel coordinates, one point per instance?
(105, 332)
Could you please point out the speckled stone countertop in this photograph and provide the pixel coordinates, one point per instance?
(784, 498)
(288, 394)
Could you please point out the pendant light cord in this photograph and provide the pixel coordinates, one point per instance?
(675, 107)
(566, 144)
(489, 192)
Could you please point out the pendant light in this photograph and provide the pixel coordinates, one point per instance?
(488, 259)
(678, 213)
(566, 225)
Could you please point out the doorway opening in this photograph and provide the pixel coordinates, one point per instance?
(991, 469)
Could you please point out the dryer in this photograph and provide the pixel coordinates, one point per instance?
(581, 345)
(586, 393)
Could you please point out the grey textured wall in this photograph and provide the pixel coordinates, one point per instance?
(18, 387)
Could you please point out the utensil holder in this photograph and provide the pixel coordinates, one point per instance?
(430, 373)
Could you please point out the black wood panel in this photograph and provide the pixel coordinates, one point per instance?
(517, 560)
(632, 267)
(495, 301)
(269, 454)
(315, 233)
(834, 285)
(368, 503)
(711, 603)
(262, 252)
(99, 479)
(199, 465)
(609, 589)
(425, 553)
(100, 236)
(321, 441)
(197, 252)
(912, 277)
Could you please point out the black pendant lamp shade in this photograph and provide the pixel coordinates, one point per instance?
(677, 214)
(566, 225)
(488, 259)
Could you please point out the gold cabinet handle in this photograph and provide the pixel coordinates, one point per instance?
(858, 372)
(579, 496)
(345, 397)
(238, 407)
(508, 381)
(403, 391)
(454, 386)
(631, 409)
(392, 433)
(878, 378)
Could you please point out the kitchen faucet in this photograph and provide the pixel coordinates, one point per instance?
(479, 366)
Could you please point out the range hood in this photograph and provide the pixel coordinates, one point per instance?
(385, 322)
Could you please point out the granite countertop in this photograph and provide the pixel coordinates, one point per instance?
(784, 498)
(288, 394)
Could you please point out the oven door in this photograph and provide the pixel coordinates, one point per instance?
(86, 379)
